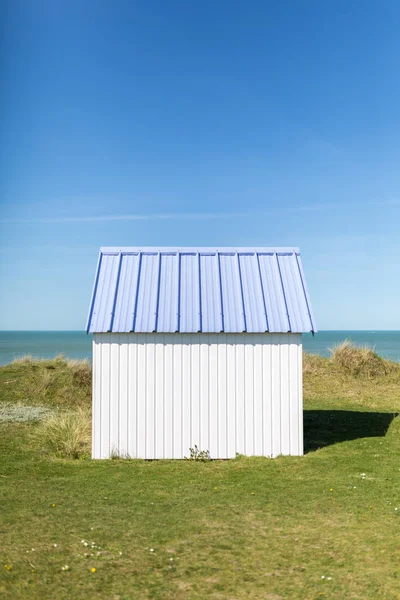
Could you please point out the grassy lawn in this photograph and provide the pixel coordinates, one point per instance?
(323, 526)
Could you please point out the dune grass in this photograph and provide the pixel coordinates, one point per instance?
(58, 382)
(322, 526)
(66, 434)
(359, 361)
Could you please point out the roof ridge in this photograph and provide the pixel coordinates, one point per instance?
(200, 249)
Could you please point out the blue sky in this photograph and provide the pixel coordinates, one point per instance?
(212, 123)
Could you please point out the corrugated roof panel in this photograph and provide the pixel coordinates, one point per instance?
(273, 293)
(232, 295)
(211, 308)
(296, 302)
(189, 302)
(125, 304)
(200, 289)
(146, 321)
(104, 297)
(168, 319)
(252, 294)
(306, 294)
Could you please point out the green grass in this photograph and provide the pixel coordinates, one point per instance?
(246, 528)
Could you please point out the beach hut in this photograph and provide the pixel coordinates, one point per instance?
(198, 347)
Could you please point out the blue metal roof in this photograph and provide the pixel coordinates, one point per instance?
(208, 290)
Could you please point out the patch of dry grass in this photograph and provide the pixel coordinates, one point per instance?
(312, 363)
(81, 373)
(57, 382)
(67, 434)
(24, 359)
(359, 360)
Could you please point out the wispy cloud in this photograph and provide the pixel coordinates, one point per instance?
(319, 206)
(132, 217)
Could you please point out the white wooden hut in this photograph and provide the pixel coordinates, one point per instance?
(198, 346)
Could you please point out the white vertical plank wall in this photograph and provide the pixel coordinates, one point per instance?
(156, 395)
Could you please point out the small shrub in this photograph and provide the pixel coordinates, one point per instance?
(67, 434)
(358, 361)
(115, 454)
(199, 455)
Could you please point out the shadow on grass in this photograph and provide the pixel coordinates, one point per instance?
(326, 427)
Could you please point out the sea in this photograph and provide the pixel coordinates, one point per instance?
(77, 344)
